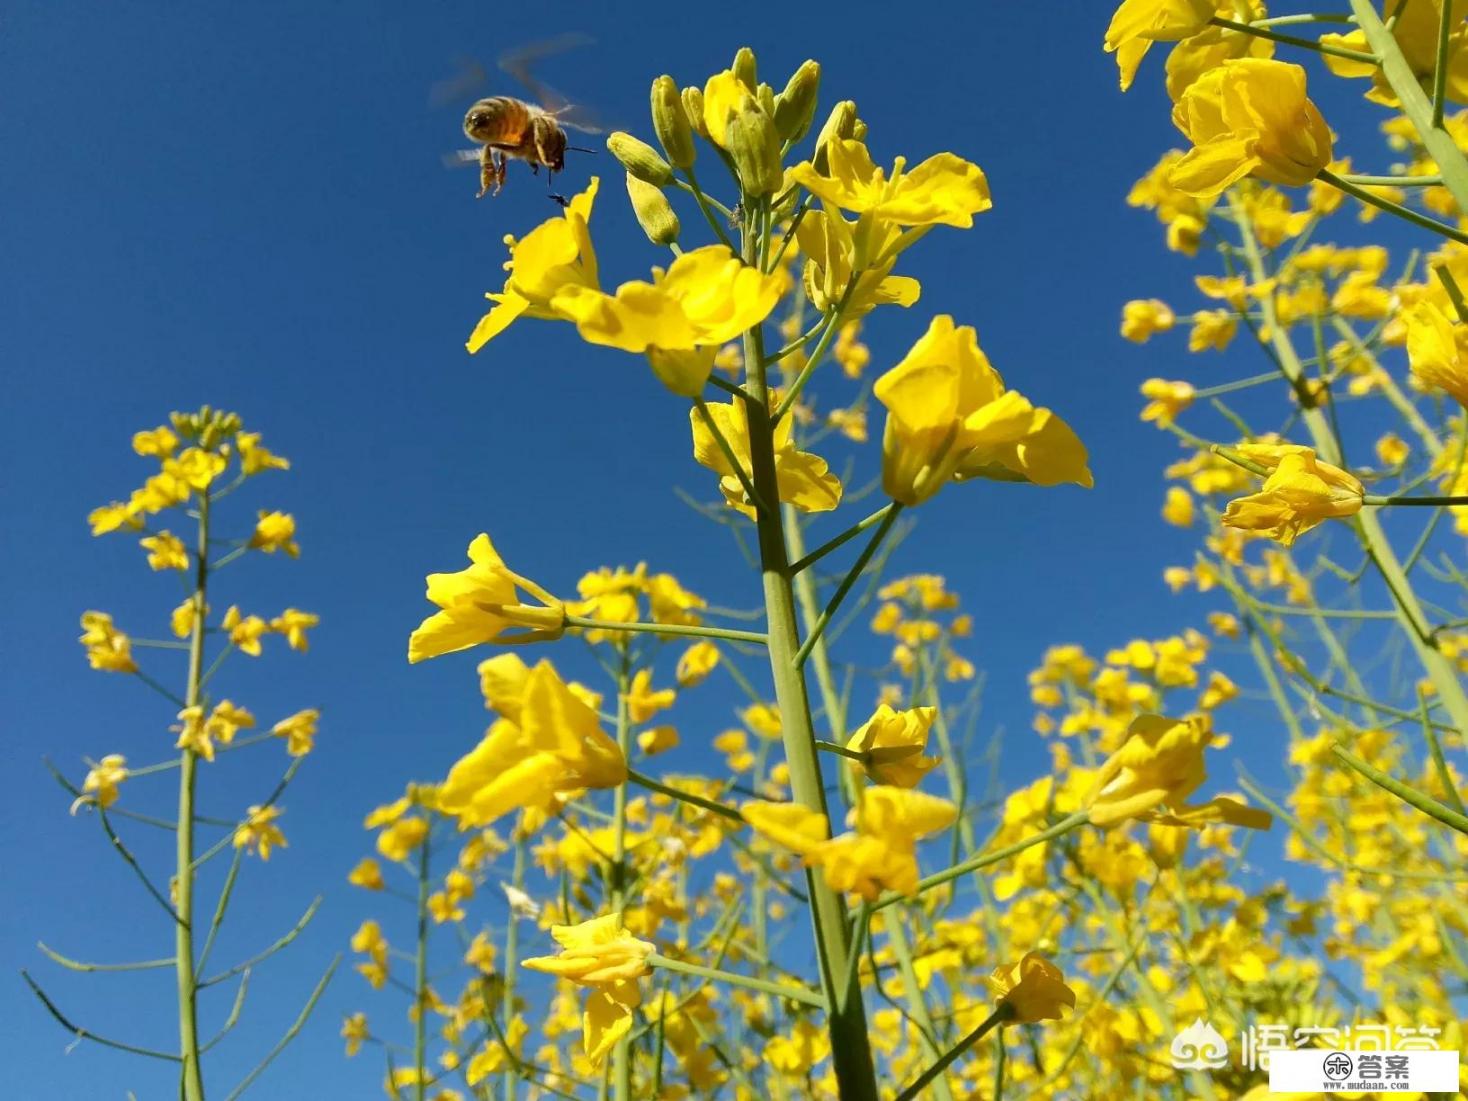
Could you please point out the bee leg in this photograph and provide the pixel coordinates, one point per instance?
(550, 181)
(499, 171)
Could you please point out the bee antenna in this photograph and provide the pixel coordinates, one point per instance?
(582, 149)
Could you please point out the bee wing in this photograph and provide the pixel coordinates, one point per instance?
(520, 63)
(461, 158)
(576, 117)
(470, 76)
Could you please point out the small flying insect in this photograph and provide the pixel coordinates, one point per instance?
(508, 128)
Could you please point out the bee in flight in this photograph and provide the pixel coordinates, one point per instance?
(507, 128)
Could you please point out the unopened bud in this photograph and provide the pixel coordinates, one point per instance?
(639, 159)
(841, 123)
(693, 110)
(744, 68)
(670, 122)
(654, 212)
(795, 107)
(765, 96)
(755, 148)
(859, 130)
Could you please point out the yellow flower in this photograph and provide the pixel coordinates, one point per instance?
(1178, 509)
(555, 255)
(1249, 117)
(789, 825)
(368, 940)
(1139, 23)
(834, 249)
(803, 479)
(1165, 400)
(157, 442)
(893, 742)
(1300, 492)
(1033, 989)
(102, 780)
(949, 418)
(193, 734)
(181, 619)
(1392, 450)
(1212, 329)
(707, 297)
(258, 832)
(114, 516)
(553, 744)
(697, 662)
(299, 730)
(401, 837)
(354, 1032)
(195, 468)
(244, 631)
(601, 955)
(1161, 763)
(367, 875)
(255, 457)
(165, 551)
(479, 603)
(294, 623)
(108, 648)
(882, 853)
(943, 190)
(643, 702)
(1141, 317)
(1438, 350)
(275, 531)
(657, 739)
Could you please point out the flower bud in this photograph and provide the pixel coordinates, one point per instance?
(859, 130)
(693, 110)
(744, 68)
(654, 212)
(795, 107)
(765, 96)
(840, 124)
(755, 148)
(639, 159)
(670, 122)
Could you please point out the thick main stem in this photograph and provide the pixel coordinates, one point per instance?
(191, 1086)
(622, 1053)
(846, 1020)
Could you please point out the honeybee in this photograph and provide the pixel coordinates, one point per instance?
(508, 128)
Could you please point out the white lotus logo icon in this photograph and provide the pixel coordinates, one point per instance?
(1199, 1047)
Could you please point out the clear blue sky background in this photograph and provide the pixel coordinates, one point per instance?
(245, 206)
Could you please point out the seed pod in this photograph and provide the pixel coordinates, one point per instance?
(639, 159)
(755, 149)
(670, 122)
(795, 107)
(654, 213)
(840, 124)
(693, 110)
(744, 68)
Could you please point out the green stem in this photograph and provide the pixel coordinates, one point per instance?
(983, 860)
(1294, 40)
(1435, 751)
(1415, 103)
(617, 879)
(846, 1015)
(851, 578)
(1407, 214)
(1004, 1013)
(721, 809)
(781, 990)
(511, 965)
(841, 540)
(917, 1003)
(1440, 69)
(728, 452)
(665, 629)
(1408, 794)
(420, 980)
(191, 1086)
(1392, 181)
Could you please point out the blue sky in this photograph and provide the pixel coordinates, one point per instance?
(247, 208)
